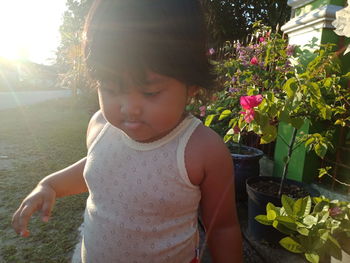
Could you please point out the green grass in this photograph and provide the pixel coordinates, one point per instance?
(37, 141)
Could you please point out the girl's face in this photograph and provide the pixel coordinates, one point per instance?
(145, 112)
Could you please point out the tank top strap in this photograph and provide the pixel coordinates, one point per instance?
(181, 150)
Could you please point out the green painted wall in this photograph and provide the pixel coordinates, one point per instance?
(303, 165)
(316, 4)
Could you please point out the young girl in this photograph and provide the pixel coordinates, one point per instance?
(150, 165)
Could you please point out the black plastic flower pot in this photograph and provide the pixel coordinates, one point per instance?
(258, 199)
(246, 164)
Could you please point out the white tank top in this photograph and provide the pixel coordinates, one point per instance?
(142, 206)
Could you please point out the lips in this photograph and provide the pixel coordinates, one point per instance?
(132, 125)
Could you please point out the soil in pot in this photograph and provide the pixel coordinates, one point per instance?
(271, 187)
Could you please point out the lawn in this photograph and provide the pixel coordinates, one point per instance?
(34, 142)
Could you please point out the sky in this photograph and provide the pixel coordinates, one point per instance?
(29, 29)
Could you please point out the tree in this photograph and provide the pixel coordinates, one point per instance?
(233, 19)
(69, 53)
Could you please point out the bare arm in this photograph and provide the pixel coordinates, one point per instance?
(68, 181)
(218, 205)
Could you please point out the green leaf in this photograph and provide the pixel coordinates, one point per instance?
(310, 220)
(328, 82)
(236, 138)
(324, 171)
(282, 228)
(270, 206)
(209, 119)
(262, 219)
(297, 207)
(306, 206)
(321, 206)
(347, 75)
(290, 87)
(312, 257)
(269, 134)
(309, 141)
(225, 114)
(291, 245)
(326, 111)
(321, 150)
(287, 222)
(333, 248)
(315, 90)
(333, 241)
(324, 216)
(303, 231)
(324, 234)
(288, 204)
(340, 122)
(271, 215)
(228, 137)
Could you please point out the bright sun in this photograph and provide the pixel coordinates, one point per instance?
(29, 28)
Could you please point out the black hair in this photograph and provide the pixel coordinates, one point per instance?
(165, 36)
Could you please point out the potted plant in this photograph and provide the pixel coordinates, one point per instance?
(291, 90)
(317, 227)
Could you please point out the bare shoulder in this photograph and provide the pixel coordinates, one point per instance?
(206, 152)
(97, 122)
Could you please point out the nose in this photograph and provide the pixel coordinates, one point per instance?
(131, 105)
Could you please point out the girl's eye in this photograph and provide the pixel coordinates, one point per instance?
(151, 93)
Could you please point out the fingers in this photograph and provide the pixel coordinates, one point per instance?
(21, 218)
(46, 210)
(40, 199)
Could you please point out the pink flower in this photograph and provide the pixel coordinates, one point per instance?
(261, 39)
(248, 115)
(236, 130)
(254, 61)
(335, 211)
(249, 102)
(290, 50)
(203, 110)
(211, 51)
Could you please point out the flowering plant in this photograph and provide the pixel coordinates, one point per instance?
(274, 82)
(248, 73)
(316, 227)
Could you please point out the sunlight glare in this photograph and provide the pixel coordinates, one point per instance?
(29, 29)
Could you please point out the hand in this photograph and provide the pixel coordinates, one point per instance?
(42, 198)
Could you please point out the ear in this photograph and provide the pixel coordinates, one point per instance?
(192, 91)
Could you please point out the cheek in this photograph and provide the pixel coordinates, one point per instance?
(110, 109)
